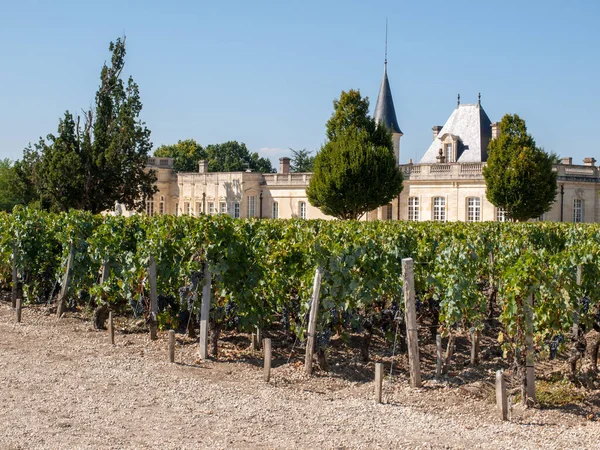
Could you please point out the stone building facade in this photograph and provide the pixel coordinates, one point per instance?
(238, 194)
(447, 184)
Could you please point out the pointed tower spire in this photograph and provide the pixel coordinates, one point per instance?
(384, 109)
(385, 59)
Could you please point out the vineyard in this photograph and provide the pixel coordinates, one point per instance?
(536, 283)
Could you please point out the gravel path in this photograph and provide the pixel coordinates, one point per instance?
(63, 386)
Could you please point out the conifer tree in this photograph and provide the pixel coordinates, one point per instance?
(518, 174)
(302, 161)
(356, 171)
(94, 165)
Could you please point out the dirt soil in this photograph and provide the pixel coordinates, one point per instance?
(62, 385)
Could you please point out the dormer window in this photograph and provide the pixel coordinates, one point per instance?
(448, 154)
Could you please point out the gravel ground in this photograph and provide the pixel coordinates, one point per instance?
(62, 385)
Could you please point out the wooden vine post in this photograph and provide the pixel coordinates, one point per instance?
(438, 361)
(475, 334)
(378, 381)
(111, 329)
(576, 309)
(153, 299)
(105, 272)
(172, 346)
(312, 322)
(15, 277)
(64, 292)
(530, 355)
(267, 357)
(205, 312)
(501, 398)
(18, 310)
(408, 281)
(258, 338)
(575, 355)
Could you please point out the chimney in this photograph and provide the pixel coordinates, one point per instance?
(203, 166)
(566, 161)
(284, 165)
(495, 130)
(436, 131)
(589, 162)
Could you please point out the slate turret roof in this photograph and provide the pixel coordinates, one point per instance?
(384, 109)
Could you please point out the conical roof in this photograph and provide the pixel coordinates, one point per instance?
(384, 109)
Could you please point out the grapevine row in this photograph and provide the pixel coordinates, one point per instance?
(262, 269)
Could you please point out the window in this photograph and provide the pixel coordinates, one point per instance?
(577, 210)
(473, 209)
(236, 210)
(150, 206)
(251, 206)
(448, 152)
(439, 209)
(161, 206)
(186, 207)
(223, 207)
(275, 214)
(198, 208)
(501, 215)
(211, 207)
(388, 211)
(413, 208)
(302, 210)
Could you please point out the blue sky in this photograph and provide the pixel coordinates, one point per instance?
(266, 73)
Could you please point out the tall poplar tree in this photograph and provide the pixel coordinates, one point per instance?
(102, 161)
(356, 171)
(518, 174)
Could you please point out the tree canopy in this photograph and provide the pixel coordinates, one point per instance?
(185, 154)
(302, 161)
(230, 156)
(9, 195)
(356, 171)
(352, 111)
(518, 174)
(95, 164)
